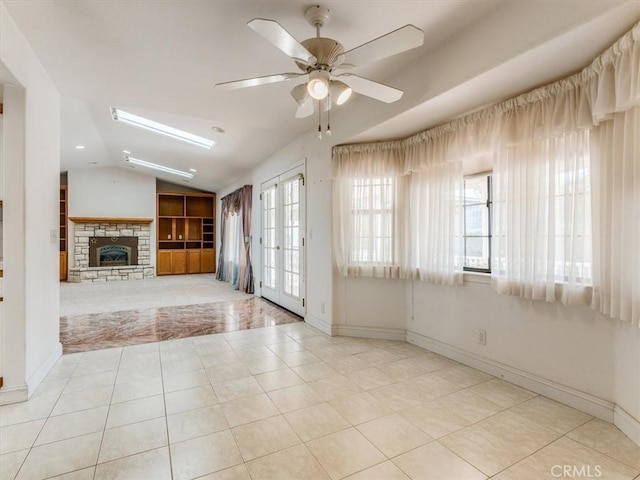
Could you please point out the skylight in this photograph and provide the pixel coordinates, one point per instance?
(155, 166)
(146, 124)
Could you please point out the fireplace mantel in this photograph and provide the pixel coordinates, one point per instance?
(109, 220)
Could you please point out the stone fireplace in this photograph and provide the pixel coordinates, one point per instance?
(111, 249)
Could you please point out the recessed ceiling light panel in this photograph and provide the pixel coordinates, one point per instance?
(150, 125)
(79, 147)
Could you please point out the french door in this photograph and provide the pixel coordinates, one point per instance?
(283, 226)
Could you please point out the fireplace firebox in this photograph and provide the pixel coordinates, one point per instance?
(113, 251)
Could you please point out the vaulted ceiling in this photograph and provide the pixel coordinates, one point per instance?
(161, 59)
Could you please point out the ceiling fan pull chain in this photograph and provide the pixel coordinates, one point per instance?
(328, 115)
(319, 121)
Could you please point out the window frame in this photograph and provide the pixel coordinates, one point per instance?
(489, 204)
(391, 212)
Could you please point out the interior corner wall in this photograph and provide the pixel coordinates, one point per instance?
(111, 192)
(31, 212)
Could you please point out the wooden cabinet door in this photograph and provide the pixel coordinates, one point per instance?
(164, 262)
(208, 261)
(179, 261)
(193, 261)
(63, 266)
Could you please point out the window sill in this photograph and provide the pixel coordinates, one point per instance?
(477, 277)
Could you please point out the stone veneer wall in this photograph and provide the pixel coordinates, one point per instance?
(81, 272)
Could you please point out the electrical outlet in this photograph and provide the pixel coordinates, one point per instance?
(322, 307)
(482, 337)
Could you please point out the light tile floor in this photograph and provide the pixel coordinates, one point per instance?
(288, 402)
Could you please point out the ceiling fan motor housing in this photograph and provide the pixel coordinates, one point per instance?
(326, 51)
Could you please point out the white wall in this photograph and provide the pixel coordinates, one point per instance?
(111, 192)
(32, 158)
(370, 306)
(14, 316)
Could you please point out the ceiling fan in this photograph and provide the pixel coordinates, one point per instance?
(323, 62)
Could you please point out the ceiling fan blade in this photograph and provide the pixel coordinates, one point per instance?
(305, 110)
(283, 40)
(252, 82)
(372, 89)
(405, 38)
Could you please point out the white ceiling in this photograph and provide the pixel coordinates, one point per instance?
(161, 60)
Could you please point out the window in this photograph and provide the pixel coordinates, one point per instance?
(372, 206)
(477, 223)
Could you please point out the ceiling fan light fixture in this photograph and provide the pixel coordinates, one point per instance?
(318, 85)
(300, 94)
(340, 91)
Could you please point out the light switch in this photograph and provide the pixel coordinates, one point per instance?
(53, 237)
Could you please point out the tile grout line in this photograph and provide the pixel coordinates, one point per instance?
(487, 418)
(106, 420)
(43, 425)
(166, 412)
(595, 449)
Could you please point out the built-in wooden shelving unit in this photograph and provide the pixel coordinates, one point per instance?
(63, 233)
(185, 233)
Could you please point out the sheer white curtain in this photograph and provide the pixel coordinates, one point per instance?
(615, 159)
(615, 156)
(367, 229)
(542, 219)
(232, 246)
(435, 252)
(398, 212)
(566, 164)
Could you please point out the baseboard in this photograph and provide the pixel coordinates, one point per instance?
(43, 369)
(627, 424)
(371, 332)
(13, 394)
(320, 324)
(590, 404)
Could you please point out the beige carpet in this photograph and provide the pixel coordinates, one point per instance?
(166, 291)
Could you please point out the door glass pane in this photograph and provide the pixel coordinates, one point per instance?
(291, 237)
(269, 237)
